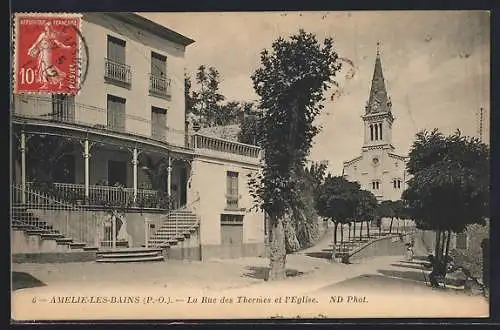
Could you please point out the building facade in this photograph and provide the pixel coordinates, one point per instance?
(123, 141)
(379, 168)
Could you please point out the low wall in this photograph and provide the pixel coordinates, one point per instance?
(24, 243)
(189, 249)
(88, 225)
(384, 246)
(54, 257)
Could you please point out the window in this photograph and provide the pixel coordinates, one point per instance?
(159, 85)
(232, 196)
(116, 50)
(376, 132)
(380, 130)
(158, 65)
(371, 132)
(159, 123)
(116, 113)
(63, 107)
(116, 71)
(396, 183)
(375, 185)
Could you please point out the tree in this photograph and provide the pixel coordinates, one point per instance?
(205, 102)
(449, 188)
(251, 130)
(337, 201)
(366, 205)
(290, 82)
(386, 210)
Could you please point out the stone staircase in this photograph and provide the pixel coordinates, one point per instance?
(24, 220)
(176, 227)
(347, 248)
(130, 255)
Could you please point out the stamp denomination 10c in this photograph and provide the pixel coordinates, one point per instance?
(47, 53)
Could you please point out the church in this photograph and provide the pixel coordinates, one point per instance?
(378, 169)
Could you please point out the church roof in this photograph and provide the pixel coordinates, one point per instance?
(379, 101)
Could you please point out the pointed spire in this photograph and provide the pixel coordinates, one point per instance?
(378, 100)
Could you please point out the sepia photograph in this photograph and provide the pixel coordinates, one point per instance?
(249, 165)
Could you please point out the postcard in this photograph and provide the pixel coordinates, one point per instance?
(250, 165)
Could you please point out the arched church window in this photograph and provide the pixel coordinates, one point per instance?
(371, 132)
(380, 130)
(376, 132)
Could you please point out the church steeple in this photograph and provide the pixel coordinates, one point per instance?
(378, 117)
(378, 101)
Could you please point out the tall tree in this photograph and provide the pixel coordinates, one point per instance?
(386, 210)
(207, 99)
(290, 82)
(449, 188)
(337, 201)
(365, 209)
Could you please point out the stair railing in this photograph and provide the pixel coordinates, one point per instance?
(168, 217)
(36, 210)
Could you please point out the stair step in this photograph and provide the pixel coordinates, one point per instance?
(35, 231)
(76, 245)
(51, 236)
(128, 254)
(64, 240)
(90, 248)
(135, 259)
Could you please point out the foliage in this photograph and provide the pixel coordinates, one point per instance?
(450, 184)
(366, 206)
(43, 154)
(338, 199)
(290, 83)
(449, 188)
(251, 130)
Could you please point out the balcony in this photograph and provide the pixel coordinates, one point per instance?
(100, 195)
(159, 86)
(117, 73)
(73, 113)
(232, 203)
(216, 144)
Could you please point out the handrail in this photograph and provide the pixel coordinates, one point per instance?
(43, 196)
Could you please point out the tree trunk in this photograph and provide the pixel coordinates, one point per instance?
(390, 226)
(278, 253)
(368, 223)
(349, 231)
(354, 230)
(336, 225)
(361, 231)
(342, 233)
(437, 251)
(448, 238)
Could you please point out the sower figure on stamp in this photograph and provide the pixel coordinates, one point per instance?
(42, 48)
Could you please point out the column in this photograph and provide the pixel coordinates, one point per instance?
(86, 156)
(169, 176)
(134, 163)
(23, 167)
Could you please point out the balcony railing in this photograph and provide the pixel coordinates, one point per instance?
(159, 86)
(207, 142)
(100, 195)
(232, 202)
(117, 72)
(70, 112)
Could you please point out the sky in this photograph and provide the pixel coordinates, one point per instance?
(436, 66)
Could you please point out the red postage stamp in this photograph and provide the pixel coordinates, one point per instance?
(47, 53)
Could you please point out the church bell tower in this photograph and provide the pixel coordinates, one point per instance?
(378, 117)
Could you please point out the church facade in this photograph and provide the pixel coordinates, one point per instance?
(379, 168)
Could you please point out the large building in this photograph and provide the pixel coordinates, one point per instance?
(123, 143)
(378, 169)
